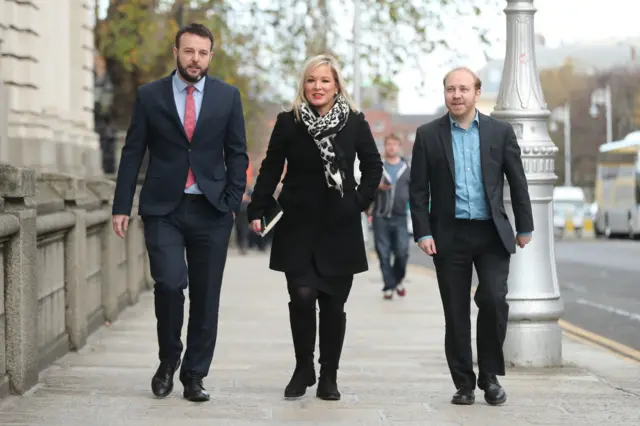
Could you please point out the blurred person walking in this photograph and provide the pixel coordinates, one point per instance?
(318, 243)
(390, 219)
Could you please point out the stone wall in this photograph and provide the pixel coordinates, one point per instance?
(63, 271)
(46, 67)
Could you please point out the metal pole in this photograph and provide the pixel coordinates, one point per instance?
(534, 338)
(180, 15)
(567, 144)
(356, 52)
(608, 112)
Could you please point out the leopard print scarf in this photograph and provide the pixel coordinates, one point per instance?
(323, 130)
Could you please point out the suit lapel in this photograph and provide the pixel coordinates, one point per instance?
(447, 142)
(208, 105)
(167, 92)
(485, 144)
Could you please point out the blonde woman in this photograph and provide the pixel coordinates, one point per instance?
(318, 243)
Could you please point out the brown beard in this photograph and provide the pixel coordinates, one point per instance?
(185, 75)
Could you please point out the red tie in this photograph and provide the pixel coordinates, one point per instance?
(190, 126)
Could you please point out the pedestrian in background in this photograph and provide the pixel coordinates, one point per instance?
(390, 219)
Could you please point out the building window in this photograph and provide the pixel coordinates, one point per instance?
(378, 126)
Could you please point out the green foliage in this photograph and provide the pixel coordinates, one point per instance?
(137, 36)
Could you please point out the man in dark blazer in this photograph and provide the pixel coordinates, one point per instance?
(193, 127)
(459, 164)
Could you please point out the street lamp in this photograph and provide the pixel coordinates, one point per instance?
(562, 114)
(602, 97)
(534, 338)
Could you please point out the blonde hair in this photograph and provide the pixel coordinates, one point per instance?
(310, 65)
(477, 83)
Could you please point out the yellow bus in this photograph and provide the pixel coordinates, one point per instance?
(617, 190)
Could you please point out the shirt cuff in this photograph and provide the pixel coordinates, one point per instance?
(425, 237)
(524, 234)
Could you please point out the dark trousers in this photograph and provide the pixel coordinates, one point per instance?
(476, 243)
(198, 229)
(391, 238)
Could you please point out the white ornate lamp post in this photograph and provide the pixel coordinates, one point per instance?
(562, 114)
(534, 338)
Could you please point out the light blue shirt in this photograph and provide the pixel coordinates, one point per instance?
(392, 170)
(180, 97)
(471, 202)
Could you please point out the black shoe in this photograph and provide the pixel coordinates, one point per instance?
(303, 331)
(194, 391)
(493, 392)
(464, 396)
(162, 381)
(332, 330)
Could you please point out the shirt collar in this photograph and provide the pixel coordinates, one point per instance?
(475, 120)
(179, 84)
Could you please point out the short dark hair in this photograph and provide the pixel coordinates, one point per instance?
(197, 29)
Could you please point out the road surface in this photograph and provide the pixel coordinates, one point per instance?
(600, 285)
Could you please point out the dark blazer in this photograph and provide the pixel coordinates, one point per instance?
(217, 153)
(316, 221)
(432, 177)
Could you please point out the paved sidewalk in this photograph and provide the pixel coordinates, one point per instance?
(393, 370)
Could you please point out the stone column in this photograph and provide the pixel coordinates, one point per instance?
(104, 188)
(4, 98)
(74, 193)
(17, 186)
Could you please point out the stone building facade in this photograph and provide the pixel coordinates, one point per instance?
(46, 86)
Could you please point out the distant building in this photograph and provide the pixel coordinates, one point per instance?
(46, 86)
(586, 57)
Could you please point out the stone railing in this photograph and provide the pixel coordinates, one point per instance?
(63, 271)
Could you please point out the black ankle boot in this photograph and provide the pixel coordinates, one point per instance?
(303, 331)
(332, 330)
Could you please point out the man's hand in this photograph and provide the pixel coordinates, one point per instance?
(120, 224)
(384, 186)
(428, 246)
(523, 240)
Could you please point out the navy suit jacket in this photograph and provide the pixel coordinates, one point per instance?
(217, 153)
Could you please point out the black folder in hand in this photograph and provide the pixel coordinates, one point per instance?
(272, 214)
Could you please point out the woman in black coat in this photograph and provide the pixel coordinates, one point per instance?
(318, 243)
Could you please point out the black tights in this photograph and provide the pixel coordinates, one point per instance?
(305, 297)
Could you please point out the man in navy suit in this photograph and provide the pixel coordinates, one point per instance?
(193, 127)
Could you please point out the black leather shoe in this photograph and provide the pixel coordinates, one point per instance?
(493, 392)
(463, 396)
(194, 391)
(162, 381)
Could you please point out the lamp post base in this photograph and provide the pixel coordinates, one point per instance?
(533, 344)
